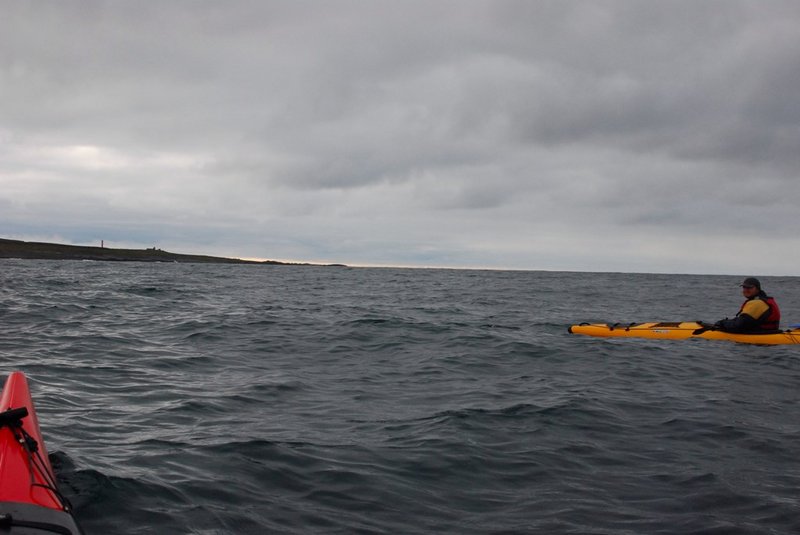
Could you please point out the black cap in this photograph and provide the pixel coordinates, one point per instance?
(751, 281)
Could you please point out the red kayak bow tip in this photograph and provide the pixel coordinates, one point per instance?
(26, 475)
(29, 498)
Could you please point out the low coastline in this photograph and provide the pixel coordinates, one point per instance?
(54, 251)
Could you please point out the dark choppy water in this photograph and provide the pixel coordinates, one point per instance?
(245, 399)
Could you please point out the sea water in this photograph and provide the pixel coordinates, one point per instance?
(215, 399)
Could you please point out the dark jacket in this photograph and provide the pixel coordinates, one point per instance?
(759, 313)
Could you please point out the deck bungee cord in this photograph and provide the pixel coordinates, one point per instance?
(12, 419)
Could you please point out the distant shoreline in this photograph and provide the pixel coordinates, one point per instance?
(55, 251)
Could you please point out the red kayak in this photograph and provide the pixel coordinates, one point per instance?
(30, 502)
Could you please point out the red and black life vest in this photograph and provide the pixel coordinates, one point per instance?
(769, 320)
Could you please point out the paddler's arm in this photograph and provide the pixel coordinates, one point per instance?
(740, 323)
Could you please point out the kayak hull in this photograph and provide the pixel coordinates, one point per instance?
(682, 331)
(29, 500)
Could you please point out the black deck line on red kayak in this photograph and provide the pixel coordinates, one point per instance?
(12, 418)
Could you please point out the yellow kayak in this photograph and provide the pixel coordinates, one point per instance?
(682, 331)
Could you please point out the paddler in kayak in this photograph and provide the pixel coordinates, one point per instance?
(759, 312)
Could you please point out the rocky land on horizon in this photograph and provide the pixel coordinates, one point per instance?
(54, 251)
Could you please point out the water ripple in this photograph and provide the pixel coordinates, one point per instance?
(253, 399)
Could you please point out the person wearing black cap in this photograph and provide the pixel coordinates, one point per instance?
(759, 312)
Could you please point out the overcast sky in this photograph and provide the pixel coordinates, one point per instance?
(635, 136)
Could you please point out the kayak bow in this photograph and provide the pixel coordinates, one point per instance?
(30, 502)
(682, 331)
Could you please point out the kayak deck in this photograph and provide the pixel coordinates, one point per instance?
(682, 331)
(29, 498)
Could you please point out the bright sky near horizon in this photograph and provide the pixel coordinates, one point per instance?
(602, 135)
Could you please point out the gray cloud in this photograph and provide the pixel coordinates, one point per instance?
(556, 135)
